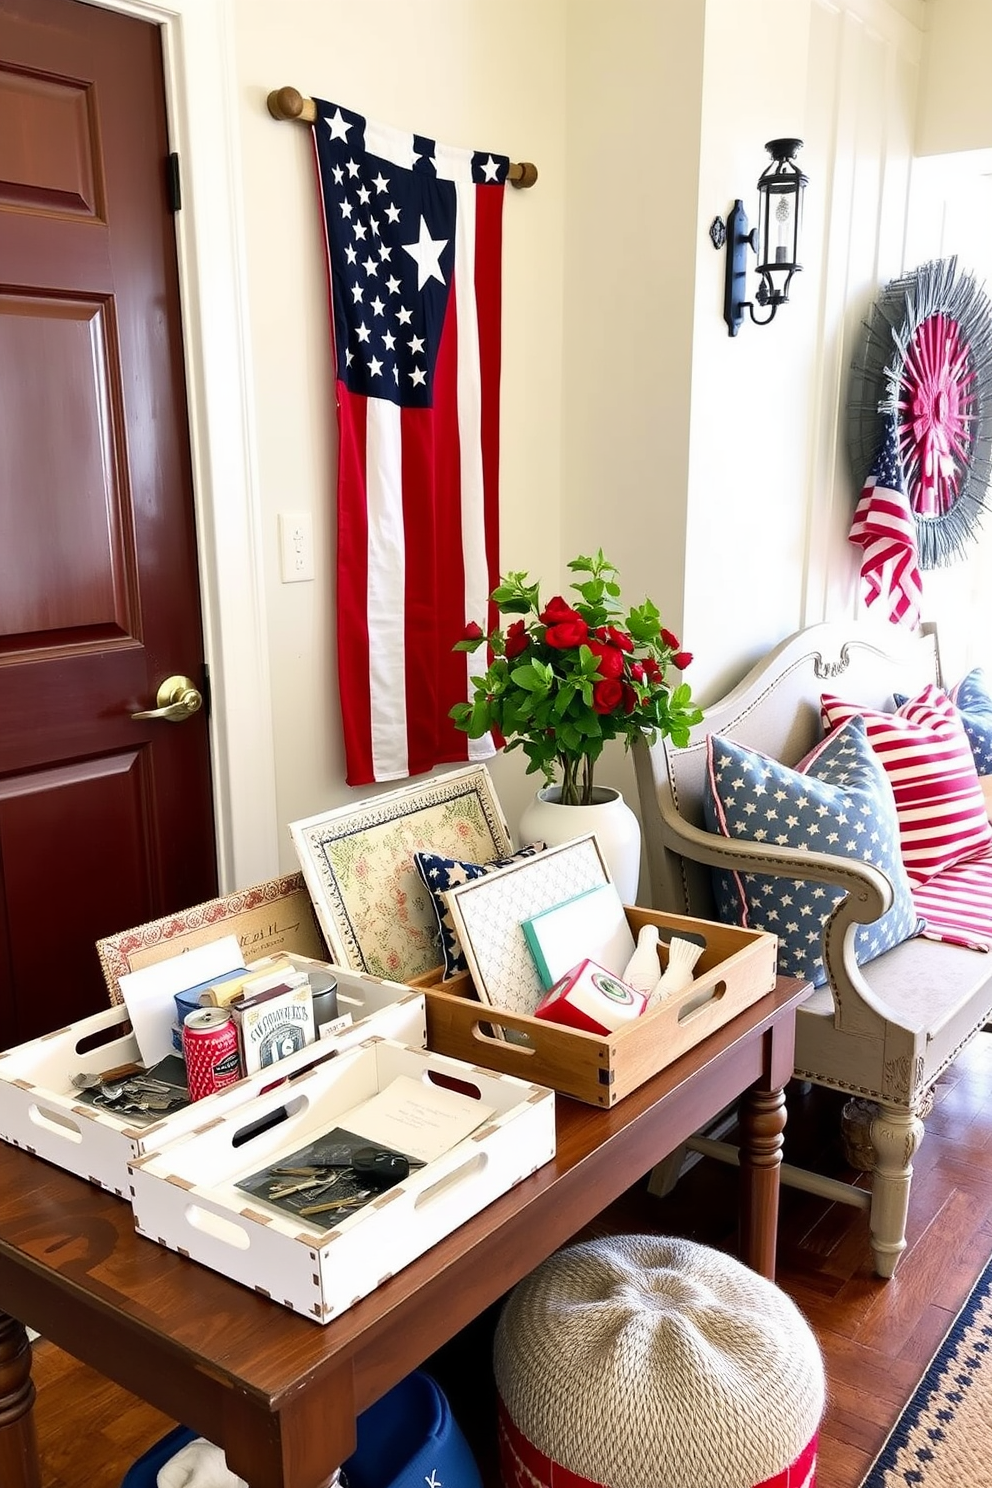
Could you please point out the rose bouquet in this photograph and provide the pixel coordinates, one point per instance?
(564, 678)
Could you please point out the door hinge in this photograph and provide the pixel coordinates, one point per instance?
(172, 182)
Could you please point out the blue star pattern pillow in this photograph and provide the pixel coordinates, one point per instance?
(973, 701)
(440, 874)
(838, 801)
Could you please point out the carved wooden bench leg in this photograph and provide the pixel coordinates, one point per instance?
(896, 1134)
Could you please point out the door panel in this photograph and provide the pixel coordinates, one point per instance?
(54, 826)
(105, 821)
(68, 508)
(46, 155)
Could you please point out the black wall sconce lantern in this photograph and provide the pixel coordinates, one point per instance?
(775, 240)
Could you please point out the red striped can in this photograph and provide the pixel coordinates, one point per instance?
(210, 1048)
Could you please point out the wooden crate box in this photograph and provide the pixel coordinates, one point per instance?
(736, 968)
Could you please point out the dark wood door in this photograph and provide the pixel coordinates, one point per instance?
(105, 821)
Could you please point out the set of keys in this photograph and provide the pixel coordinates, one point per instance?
(136, 1093)
(374, 1169)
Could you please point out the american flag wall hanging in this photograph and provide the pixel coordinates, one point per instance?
(414, 243)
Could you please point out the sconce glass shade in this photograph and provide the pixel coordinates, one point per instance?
(780, 211)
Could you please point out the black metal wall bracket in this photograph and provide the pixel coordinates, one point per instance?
(739, 240)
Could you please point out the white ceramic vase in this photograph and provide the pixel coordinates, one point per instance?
(617, 830)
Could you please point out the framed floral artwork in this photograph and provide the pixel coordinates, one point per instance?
(375, 912)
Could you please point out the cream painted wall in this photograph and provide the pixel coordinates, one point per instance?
(955, 111)
(469, 74)
(632, 125)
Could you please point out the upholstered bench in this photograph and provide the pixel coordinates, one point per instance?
(819, 837)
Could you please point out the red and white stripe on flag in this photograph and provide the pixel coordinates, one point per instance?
(413, 232)
(884, 527)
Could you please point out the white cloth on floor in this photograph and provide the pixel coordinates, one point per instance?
(198, 1465)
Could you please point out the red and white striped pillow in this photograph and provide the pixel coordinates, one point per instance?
(925, 753)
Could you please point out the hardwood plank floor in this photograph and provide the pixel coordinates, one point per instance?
(877, 1337)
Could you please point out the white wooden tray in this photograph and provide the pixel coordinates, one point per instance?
(41, 1112)
(186, 1198)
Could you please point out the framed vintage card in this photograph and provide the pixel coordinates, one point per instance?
(373, 908)
(488, 915)
(274, 916)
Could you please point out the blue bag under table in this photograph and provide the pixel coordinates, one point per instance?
(405, 1438)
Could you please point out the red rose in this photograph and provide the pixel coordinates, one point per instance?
(516, 639)
(606, 695)
(473, 632)
(610, 659)
(568, 634)
(681, 660)
(629, 698)
(652, 670)
(557, 612)
(614, 637)
(670, 639)
(637, 670)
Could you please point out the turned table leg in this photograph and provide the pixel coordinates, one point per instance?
(762, 1117)
(18, 1443)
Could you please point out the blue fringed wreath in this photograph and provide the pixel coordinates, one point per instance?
(926, 357)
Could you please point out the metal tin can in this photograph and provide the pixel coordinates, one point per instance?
(324, 989)
(210, 1048)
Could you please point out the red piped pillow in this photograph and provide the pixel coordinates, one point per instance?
(925, 753)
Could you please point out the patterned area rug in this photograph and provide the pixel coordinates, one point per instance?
(943, 1439)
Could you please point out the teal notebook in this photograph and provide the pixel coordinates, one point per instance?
(591, 926)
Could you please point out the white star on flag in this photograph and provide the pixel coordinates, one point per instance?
(426, 253)
(337, 126)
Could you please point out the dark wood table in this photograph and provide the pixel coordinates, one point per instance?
(279, 1392)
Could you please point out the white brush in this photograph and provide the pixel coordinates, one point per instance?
(682, 957)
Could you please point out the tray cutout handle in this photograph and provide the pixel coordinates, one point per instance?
(56, 1122)
(490, 1032)
(452, 1082)
(217, 1227)
(100, 1037)
(261, 1124)
(467, 1170)
(701, 1002)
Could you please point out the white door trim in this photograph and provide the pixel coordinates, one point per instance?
(203, 105)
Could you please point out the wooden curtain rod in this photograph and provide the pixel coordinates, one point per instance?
(288, 103)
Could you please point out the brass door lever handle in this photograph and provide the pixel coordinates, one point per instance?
(177, 699)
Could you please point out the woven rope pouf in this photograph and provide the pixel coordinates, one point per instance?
(639, 1361)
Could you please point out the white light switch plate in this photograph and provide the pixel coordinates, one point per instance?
(295, 546)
